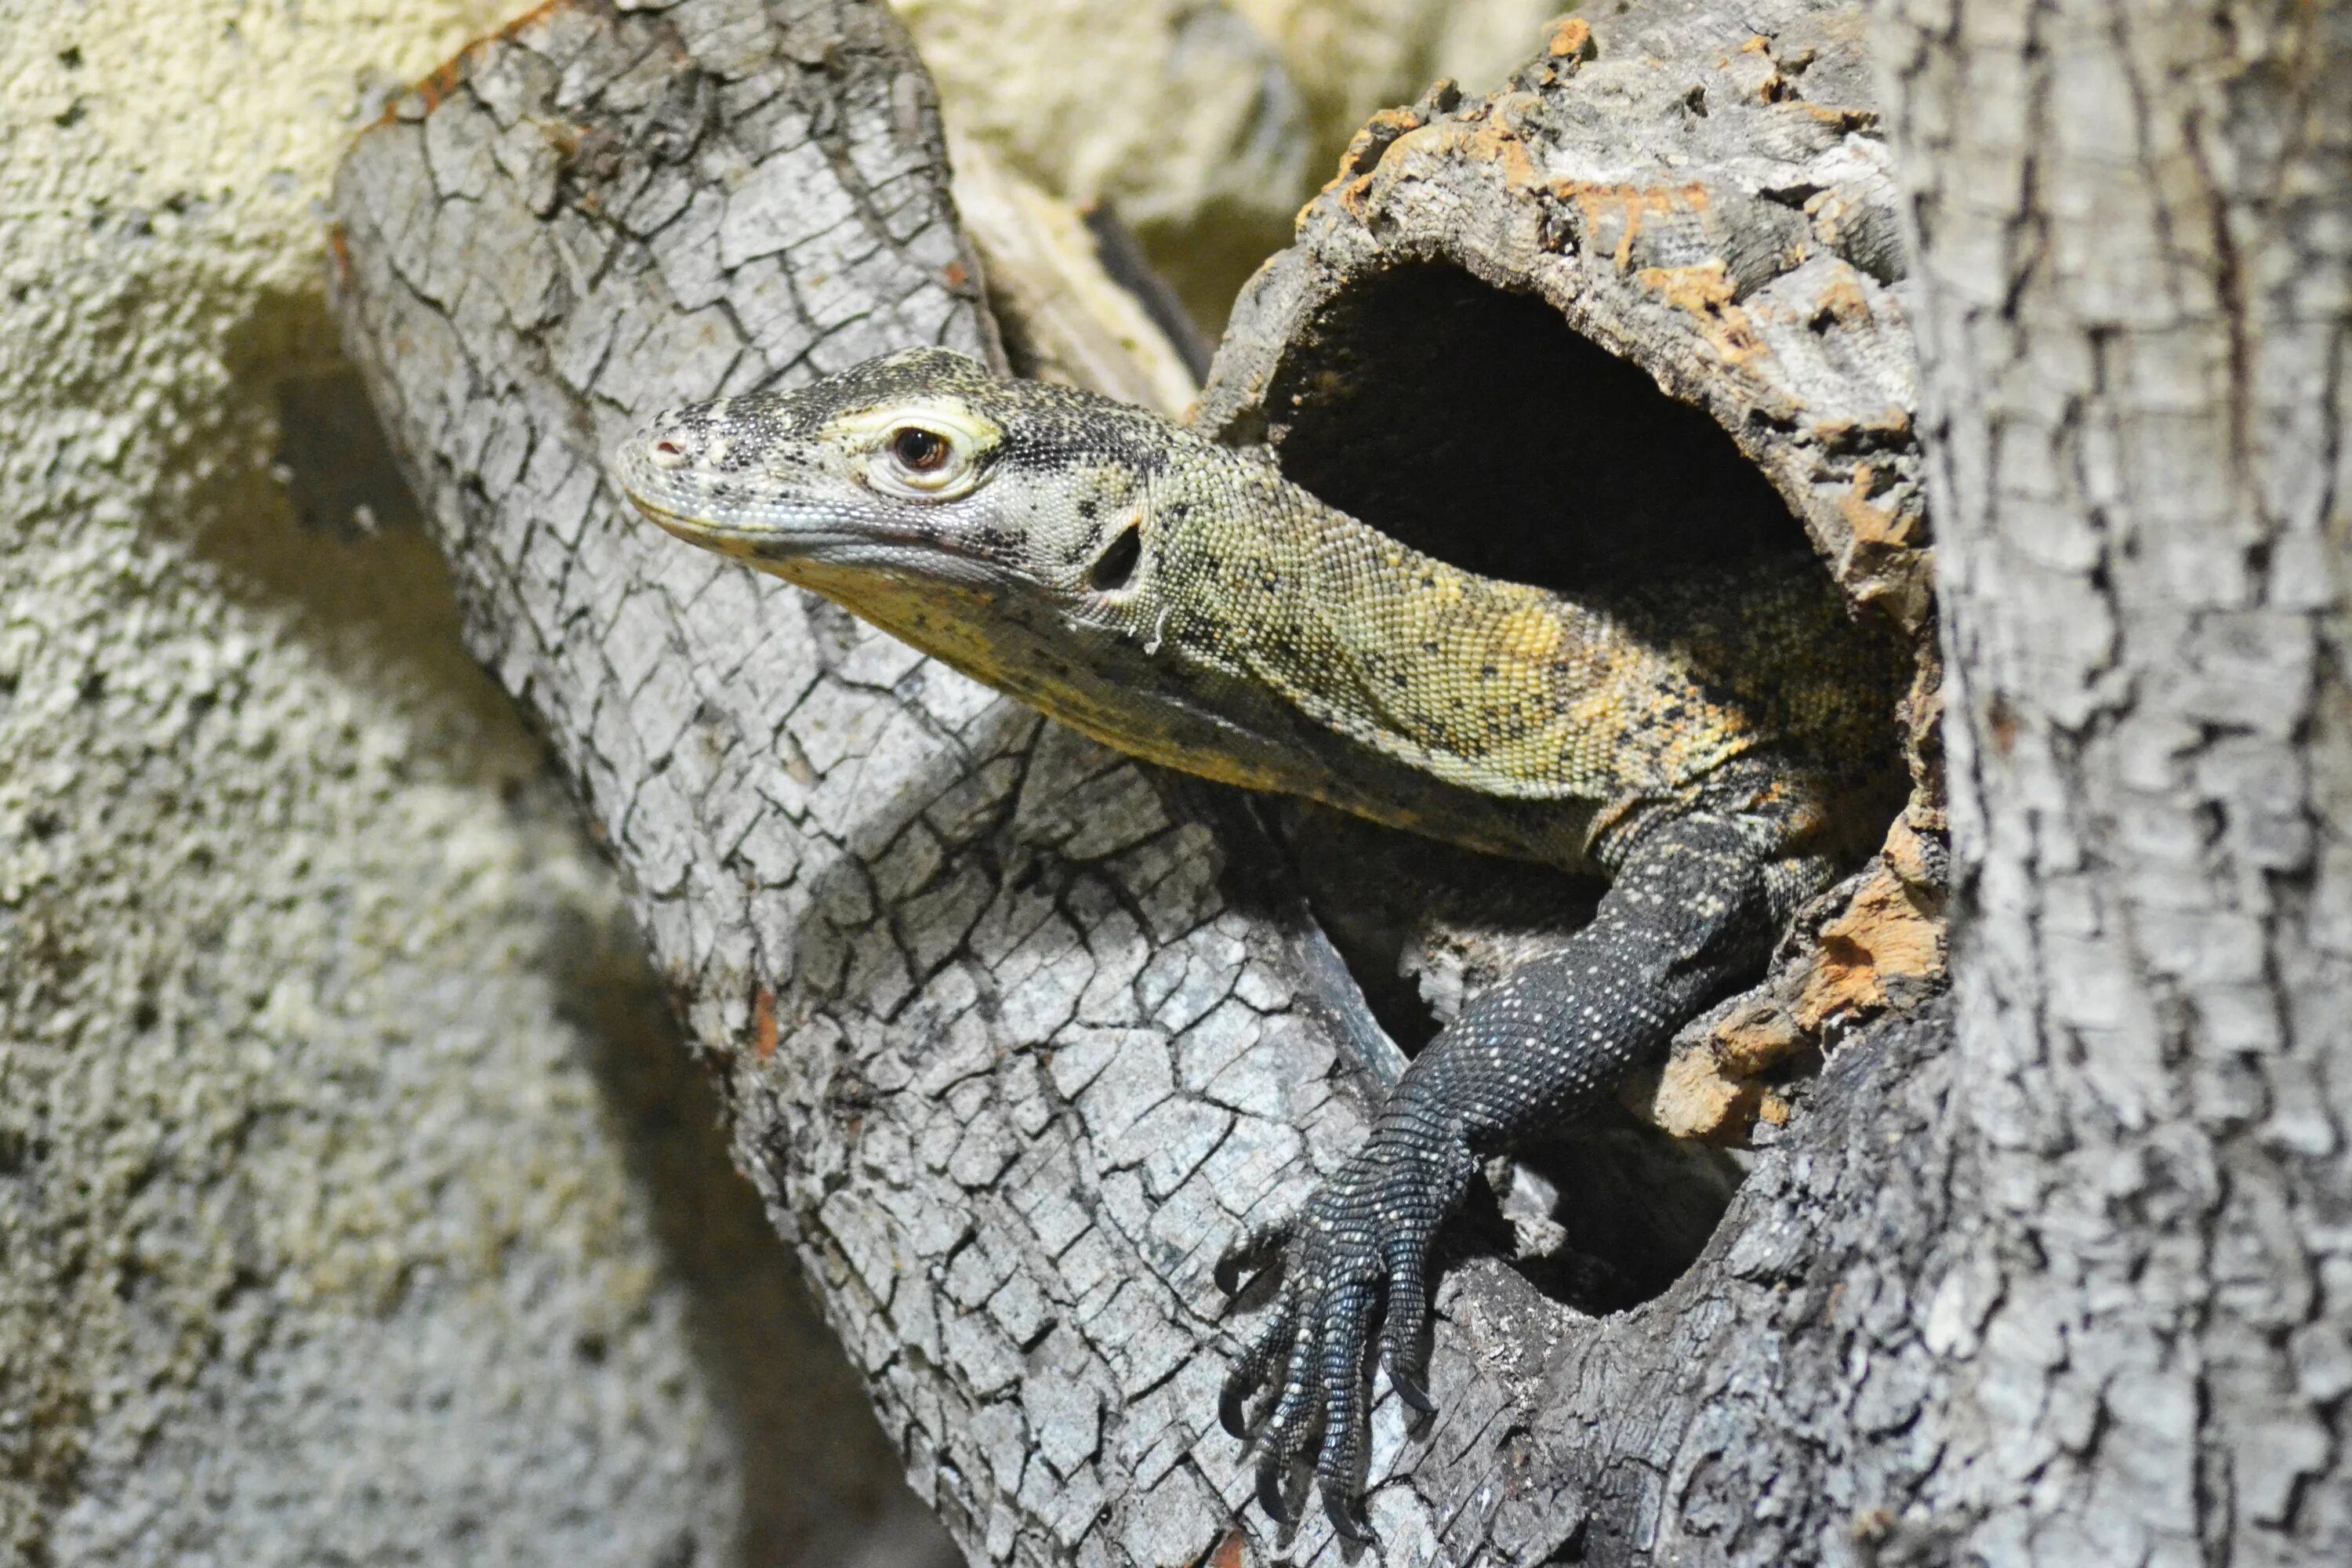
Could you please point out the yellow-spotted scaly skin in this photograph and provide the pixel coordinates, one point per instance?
(1716, 743)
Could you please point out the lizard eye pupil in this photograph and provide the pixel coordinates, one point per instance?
(921, 451)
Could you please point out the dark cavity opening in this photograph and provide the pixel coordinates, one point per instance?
(1478, 425)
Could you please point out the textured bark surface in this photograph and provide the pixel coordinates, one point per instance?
(1010, 1062)
(2138, 305)
(1062, 315)
(1015, 1036)
(1011, 1041)
(1178, 111)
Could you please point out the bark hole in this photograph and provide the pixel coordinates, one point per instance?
(1477, 425)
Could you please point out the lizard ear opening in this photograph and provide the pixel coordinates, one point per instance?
(1115, 568)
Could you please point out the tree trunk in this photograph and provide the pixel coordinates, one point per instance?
(1016, 1035)
(2138, 302)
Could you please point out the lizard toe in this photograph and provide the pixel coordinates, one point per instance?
(1292, 1426)
(1260, 1356)
(1404, 1337)
(1298, 1417)
(1339, 1462)
(1249, 1256)
(1279, 1456)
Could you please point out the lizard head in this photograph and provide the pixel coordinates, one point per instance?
(909, 477)
(1162, 593)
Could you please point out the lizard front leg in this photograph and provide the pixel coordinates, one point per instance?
(1693, 912)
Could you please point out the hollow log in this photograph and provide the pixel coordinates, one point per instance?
(1010, 1053)
(1016, 1035)
(1697, 216)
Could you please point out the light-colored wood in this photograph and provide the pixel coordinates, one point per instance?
(1010, 1048)
(1062, 317)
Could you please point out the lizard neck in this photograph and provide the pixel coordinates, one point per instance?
(1499, 688)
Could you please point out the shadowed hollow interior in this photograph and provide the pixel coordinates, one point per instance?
(1478, 425)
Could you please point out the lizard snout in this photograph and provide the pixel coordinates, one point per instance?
(667, 444)
(667, 469)
(669, 457)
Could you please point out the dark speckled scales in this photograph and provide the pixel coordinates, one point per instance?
(1692, 914)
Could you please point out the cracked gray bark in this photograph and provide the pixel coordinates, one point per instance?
(1009, 1064)
(1013, 1047)
(2138, 305)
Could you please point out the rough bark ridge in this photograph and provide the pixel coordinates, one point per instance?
(2137, 306)
(1011, 1046)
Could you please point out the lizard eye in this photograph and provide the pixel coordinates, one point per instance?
(923, 454)
(918, 451)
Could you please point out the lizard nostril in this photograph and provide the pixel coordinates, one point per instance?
(666, 454)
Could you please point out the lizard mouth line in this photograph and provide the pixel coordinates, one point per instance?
(787, 550)
(777, 543)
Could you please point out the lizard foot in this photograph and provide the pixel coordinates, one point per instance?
(1356, 1255)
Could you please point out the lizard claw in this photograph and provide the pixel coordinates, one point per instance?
(1247, 1257)
(1345, 1522)
(1415, 1397)
(1231, 1414)
(1361, 1245)
(1269, 1495)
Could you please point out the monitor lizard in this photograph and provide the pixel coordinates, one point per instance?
(1713, 743)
